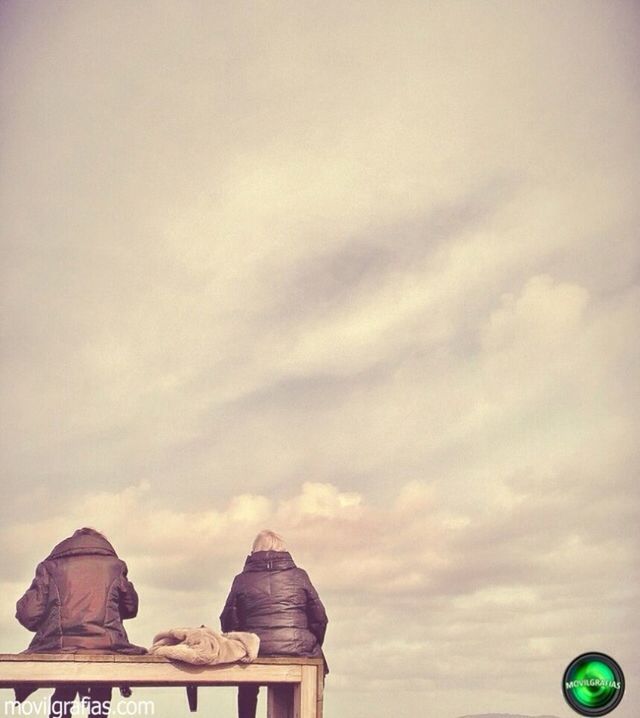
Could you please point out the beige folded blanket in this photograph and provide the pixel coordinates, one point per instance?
(204, 646)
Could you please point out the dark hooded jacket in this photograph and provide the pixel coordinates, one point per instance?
(79, 598)
(275, 599)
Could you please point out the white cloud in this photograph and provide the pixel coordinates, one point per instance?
(368, 277)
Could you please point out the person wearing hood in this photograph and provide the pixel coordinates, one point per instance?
(275, 599)
(76, 604)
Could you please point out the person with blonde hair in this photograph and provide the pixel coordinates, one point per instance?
(275, 599)
(268, 541)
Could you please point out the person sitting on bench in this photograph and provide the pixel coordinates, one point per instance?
(275, 599)
(76, 603)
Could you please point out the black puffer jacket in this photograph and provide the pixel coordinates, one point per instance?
(78, 599)
(275, 599)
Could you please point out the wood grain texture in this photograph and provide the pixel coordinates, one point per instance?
(308, 692)
(149, 674)
(295, 684)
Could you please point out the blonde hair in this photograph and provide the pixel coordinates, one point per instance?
(268, 541)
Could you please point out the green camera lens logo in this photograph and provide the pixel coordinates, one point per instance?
(593, 684)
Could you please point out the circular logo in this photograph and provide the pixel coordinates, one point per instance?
(593, 684)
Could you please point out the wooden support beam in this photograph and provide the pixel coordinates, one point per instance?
(305, 693)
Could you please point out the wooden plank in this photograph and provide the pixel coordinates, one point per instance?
(80, 658)
(320, 692)
(145, 658)
(308, 692)
(149, 674)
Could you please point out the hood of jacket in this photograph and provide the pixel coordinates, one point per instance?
(268, 561)
(86, 544)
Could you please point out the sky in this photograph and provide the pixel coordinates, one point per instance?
(363, 273)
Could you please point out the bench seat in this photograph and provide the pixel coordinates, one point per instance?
(294, 684)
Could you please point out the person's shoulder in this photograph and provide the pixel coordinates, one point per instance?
(300, 574)
(114, 565)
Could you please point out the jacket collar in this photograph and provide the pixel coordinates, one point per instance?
(269, 561)
(83, 545)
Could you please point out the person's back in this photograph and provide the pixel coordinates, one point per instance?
(79, 597)
(275, 599)
(76, 603)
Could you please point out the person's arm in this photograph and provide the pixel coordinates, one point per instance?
(316, 615)
(30, 609)
(127, 596)
(229, 618)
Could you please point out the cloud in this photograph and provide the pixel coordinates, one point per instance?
(363, 276)
(459, 576)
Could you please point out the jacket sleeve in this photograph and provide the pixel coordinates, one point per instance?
(127, 597)
(229, 618)
(316, 615)
(31, 608)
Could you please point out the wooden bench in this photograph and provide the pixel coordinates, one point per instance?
(294, 684)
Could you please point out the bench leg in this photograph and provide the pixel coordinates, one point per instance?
(192, 697)
(305, 694)
(320, 696)
(280, 701)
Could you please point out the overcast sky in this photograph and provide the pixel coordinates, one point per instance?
(364, 273)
